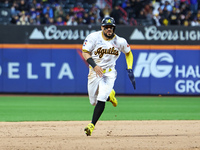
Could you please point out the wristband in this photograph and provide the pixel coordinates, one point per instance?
(91, 62)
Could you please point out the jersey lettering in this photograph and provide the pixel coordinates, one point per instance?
(101, 52)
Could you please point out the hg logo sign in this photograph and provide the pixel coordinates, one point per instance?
(147, 64)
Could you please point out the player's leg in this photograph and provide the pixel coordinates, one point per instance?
(98, 110)
(105, 86)
(111, 98)
(93, 86)
(93, 89)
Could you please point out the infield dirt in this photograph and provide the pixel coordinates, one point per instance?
(108, 135)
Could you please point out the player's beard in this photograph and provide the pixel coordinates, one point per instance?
(109, 36)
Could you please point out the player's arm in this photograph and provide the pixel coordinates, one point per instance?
(86, 56)
(129, 61)
(90, 60)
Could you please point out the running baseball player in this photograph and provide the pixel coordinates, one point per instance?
(101, 49)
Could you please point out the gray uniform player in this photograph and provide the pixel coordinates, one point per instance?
(101, 49)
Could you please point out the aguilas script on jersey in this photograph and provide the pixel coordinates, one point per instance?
(101, 51)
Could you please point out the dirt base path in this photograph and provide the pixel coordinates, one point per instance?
(108, 135)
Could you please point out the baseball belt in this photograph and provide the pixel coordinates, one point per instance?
(107, 70)
(104, 70)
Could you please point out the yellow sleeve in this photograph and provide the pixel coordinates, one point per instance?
(129, 59)
(85, 51)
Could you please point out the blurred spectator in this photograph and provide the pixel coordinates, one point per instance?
(86, 18)
(137, 5)
(92, 21)
(79, 10)
(194, 6)
(72, 22)
(45, 19)
(142, 15)
(166, 5)
(39, 8)
(106, 11)
(157, 20)
(48, 10)
(14, 8)
(186, 19)
(149, 13)
(59, 21)
(177, 3)
(194, 22)
(33, 13)
(80, 21)
(33, 4)
(67, 18)
(32, 21)
(38, 19)
(116, 14)
(23, 6)
(124, 4)
(59, 12)
(165, 14)
(173, 17)
(6, 4)
(23, 20)
(132, 13)
(99, 21)
(148, 8)
(71, 11)
(184, 7)
(14, 19)
(95, 12)
(128, 8)
(51, 21)
(198, 16)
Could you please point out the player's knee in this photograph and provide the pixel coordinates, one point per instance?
(93, 103)
(93, 100)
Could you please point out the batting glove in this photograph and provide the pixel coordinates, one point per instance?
(131, 77)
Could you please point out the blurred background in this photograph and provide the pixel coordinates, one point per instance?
(79, 12)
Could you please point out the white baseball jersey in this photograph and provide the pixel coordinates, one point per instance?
(105, 53)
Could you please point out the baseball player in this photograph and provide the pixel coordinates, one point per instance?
(101, 49)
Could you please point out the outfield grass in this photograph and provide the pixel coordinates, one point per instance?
(60, 108)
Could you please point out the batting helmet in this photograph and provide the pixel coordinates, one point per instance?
(108, 21)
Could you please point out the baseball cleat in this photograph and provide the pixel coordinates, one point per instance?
(113, 100)
(88, 130)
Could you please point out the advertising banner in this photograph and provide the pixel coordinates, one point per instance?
(167, 71)
(42, 71)
(137, 35)
(174, 72)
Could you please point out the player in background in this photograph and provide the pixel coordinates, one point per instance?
(101, 49)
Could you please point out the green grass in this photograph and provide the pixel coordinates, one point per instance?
(60, 108)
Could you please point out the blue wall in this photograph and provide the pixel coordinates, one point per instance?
(64, 71)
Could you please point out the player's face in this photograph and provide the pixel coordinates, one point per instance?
(108, 31)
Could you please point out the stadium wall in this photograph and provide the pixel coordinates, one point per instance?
(47, 59)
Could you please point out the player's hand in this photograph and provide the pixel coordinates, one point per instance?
(131, 77)
(99, 71)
